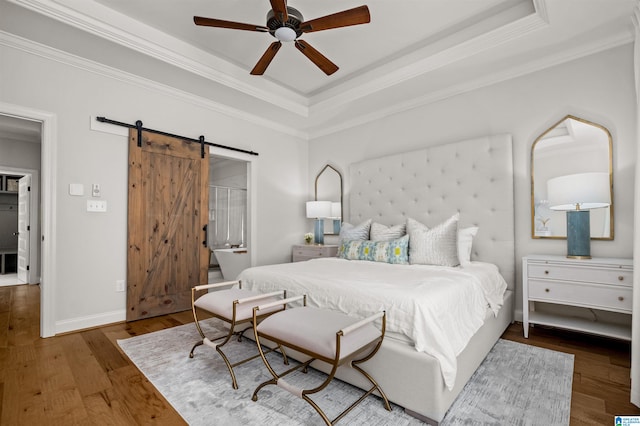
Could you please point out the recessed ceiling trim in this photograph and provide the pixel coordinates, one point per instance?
(341, 95)
(48, 52)
(201, 66)
(565, 56)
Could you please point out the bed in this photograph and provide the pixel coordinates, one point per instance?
(429, 354)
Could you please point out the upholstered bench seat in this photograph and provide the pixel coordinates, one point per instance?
(314, 330)
(323, 335)
(235, 307)
(221, 303)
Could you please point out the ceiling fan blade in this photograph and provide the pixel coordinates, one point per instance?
(279, 7)
(316, 57)
(219, 23)
(356, 16)
(266, 58)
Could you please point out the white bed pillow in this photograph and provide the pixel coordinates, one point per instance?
(435, 246)
(380, 232)
(465, 241)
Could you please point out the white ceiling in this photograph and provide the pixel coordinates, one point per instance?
(390, 34)
(413, 51)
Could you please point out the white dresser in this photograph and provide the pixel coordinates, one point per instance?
(599, 283)
(310, 251)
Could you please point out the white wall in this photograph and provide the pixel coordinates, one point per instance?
(91, 249)
(598, 88)
(19, 154)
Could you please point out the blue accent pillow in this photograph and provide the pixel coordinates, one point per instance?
(394, 251)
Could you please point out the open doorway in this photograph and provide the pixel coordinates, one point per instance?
(19, 228)
(230, 219)
(20, 164)
(43, 190)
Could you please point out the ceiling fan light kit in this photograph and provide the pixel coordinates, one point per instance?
(287, 24)
(285, 34)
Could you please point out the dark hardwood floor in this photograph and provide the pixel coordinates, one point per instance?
(84, 378)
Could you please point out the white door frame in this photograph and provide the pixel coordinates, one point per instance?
(48, 211)
(252, 194)
(34, 235)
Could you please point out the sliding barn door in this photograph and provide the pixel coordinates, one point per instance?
(168, 209)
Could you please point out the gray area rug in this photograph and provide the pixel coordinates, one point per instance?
(516, 384)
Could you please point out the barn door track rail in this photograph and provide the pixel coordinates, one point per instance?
(200, 140)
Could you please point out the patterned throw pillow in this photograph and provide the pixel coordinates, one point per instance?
(380, 232)
(435, 246)
(349, 232)
(395, 251)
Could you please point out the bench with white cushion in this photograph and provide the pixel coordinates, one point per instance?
(321, 334)
(235, 307)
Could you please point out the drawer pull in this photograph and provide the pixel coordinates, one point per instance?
(620, 298)
(546, 290)
(546, 272)
(620, 278)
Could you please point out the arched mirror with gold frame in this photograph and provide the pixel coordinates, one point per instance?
(329, 188)
(571, 146)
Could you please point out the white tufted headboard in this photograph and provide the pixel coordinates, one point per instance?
(474, 177)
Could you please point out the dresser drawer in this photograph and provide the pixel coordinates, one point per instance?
(306, 252)
(584, 274)
(616, 298)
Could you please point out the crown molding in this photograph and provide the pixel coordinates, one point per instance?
(494, 78)
(341, 95)
(50, 53)
(198, 62)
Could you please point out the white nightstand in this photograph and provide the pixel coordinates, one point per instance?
(599, 283)
(308, 251)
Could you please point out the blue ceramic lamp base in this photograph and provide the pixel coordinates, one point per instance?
(578, 234)
(318, 232)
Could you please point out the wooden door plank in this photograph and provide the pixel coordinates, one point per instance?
(168, 207)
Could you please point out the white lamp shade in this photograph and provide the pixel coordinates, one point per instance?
(336, 210)
(588, 190)
(318, 209)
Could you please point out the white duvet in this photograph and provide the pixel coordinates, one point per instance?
(437, 308)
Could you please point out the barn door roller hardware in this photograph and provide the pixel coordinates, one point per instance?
(200, 140)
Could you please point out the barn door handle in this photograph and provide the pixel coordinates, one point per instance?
(206, 236)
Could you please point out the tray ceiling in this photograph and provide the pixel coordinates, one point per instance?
(412, 52)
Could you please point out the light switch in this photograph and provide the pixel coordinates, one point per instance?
(76, 189)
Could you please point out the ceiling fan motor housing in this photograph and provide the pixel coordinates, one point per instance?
(295, 19)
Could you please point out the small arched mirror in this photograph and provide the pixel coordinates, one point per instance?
(329, 188)
(572, 146)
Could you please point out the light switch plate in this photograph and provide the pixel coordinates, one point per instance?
(76, 189)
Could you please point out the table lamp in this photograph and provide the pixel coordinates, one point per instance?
(577, 194)
(318, 210)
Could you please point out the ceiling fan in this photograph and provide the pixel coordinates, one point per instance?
(287, 24)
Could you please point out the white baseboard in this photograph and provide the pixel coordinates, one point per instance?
(80, 323)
